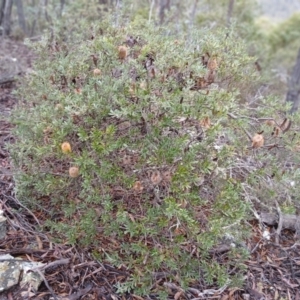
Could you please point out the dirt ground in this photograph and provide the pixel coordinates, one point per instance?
(272, 270)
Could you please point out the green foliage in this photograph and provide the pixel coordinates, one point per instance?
(162, 153)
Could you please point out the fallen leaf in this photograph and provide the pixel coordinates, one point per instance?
(206, 123)
(178, 295)
(138, 187)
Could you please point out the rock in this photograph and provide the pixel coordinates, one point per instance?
(14, 271)
(2, 225)
(9, 272)
(33, 278)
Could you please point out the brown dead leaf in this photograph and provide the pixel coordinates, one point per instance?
(210, 77)
(126, 160)
(285, 125)
(131, 217)
(132, 89)
(270, 123)
(151, 72)
(178, 295)
(48, 130)
(52, 79)
(156, 177)
(78, 91)
(206, 122)
(39, 242)
(205, 58)
(167, 176)
(138, 187)
(124, 125)
(179, 231)
(232, 292)
(143, 85)
(291, 285)
(137, 297)
(212, 64)
(200, 83)
(276, 131)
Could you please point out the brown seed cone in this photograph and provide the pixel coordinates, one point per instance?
(74, 172)
(257, 140)
(97, 72)
(122, 51)
(66, 147)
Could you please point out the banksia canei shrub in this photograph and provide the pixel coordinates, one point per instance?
(157, 143)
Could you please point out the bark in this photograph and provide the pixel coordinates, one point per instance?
(163, 5)
(21, 17)
(293, 94)
(229, 12)
(46, 11)
(291, 222)
(193, 13)
(62, 5)
(5, 16)
(2, 5)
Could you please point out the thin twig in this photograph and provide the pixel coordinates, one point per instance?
(245, 130)
(29, 211)
(46, 283)
(53, 264)
(150, 12)
(279, 228)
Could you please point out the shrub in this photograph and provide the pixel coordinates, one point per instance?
(132, 141)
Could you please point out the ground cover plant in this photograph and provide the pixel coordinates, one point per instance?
(150, 149)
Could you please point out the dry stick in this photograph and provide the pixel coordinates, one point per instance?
(30, 212)
(212, 291)
(279, 228)
(63, 261)
(255, 247)
(80, 293)
(245, 130)
(5, 80)
(171, 285)
(194, 291)
(22, 251)
(44, 267)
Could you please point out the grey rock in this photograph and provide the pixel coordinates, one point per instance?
(14, 271)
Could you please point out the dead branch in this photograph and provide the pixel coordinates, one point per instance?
(288, 221)
(8, 79)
